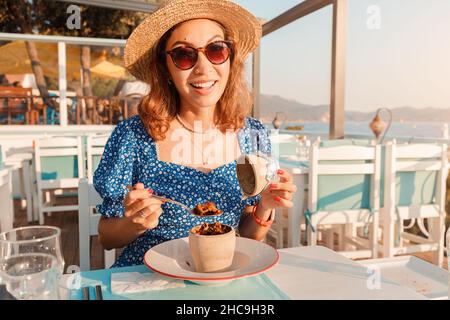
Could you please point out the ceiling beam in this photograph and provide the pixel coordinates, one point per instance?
(297, 12)
(69, 40)
(118, 4)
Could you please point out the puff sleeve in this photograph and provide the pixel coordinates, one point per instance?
(115, 170)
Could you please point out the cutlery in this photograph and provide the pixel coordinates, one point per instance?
(174, 202)
(98, 292)
(85, 291)
(190, 210)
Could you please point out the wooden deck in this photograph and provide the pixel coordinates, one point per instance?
(68, 222)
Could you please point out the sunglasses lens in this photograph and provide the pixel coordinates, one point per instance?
(217, 52)
(184, 57)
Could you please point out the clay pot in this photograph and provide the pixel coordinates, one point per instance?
(254, 173)
(212, 253)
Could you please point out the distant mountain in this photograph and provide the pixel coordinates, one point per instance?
(299, 112)
(294, 110)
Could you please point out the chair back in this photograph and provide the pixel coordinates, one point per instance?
(415, 176)
(16, 104)
(95, 145)
(59, 162)
(345, 142)
(14, 91)
(88, 198)
(345, 177)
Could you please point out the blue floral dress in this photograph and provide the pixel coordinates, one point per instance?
(130, 157)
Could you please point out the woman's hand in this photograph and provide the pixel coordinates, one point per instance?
(142, 211)
(278, 194)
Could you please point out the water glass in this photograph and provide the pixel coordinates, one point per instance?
(31, 262)
(302, 148)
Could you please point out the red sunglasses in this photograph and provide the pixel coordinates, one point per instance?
(185, 57)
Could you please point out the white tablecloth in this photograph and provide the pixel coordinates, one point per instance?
(320, 273)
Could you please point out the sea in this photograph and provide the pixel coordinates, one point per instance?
(397, 129)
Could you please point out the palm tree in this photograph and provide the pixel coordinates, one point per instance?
(18, 16)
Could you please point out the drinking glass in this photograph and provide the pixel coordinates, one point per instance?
(302, 148)
(31, 262)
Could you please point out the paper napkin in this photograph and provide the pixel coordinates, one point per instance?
(132, 282)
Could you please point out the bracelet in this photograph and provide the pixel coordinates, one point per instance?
(259, 221)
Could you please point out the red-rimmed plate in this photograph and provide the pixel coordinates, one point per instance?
(173, 259)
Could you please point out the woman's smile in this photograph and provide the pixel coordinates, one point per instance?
(203, 87)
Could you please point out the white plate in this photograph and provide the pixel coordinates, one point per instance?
(417, 274)
(173, 259)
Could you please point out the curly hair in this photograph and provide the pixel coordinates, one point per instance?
(162, 104)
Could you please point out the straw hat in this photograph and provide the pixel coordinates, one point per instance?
(243, 27)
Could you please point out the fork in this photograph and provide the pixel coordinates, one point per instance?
(191, 211)
(168, 200)
(174, 202)
(164, 199)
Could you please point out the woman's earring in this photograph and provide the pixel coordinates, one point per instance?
(169, 81)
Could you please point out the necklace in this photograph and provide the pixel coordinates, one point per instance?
(187, 128)
(204, 161)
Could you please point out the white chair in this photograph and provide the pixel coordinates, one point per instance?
(278, 227)
(415, 187)
(292, 155)
(23, 163)
(95, 145)
(6, 201)
(59, 163)
(88, 224)
(343, 189)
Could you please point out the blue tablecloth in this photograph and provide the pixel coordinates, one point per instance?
(251, 288)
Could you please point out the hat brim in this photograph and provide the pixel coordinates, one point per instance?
(243, 27)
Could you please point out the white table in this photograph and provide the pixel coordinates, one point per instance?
(317, 272)
(320, 273)
(6, 200)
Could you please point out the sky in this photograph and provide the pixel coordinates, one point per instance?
(398, 54)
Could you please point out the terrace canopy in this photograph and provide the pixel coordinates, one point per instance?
(15, 60)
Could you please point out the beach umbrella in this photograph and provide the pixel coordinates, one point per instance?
(108, 69)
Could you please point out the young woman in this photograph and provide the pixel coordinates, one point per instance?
(191, 128)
